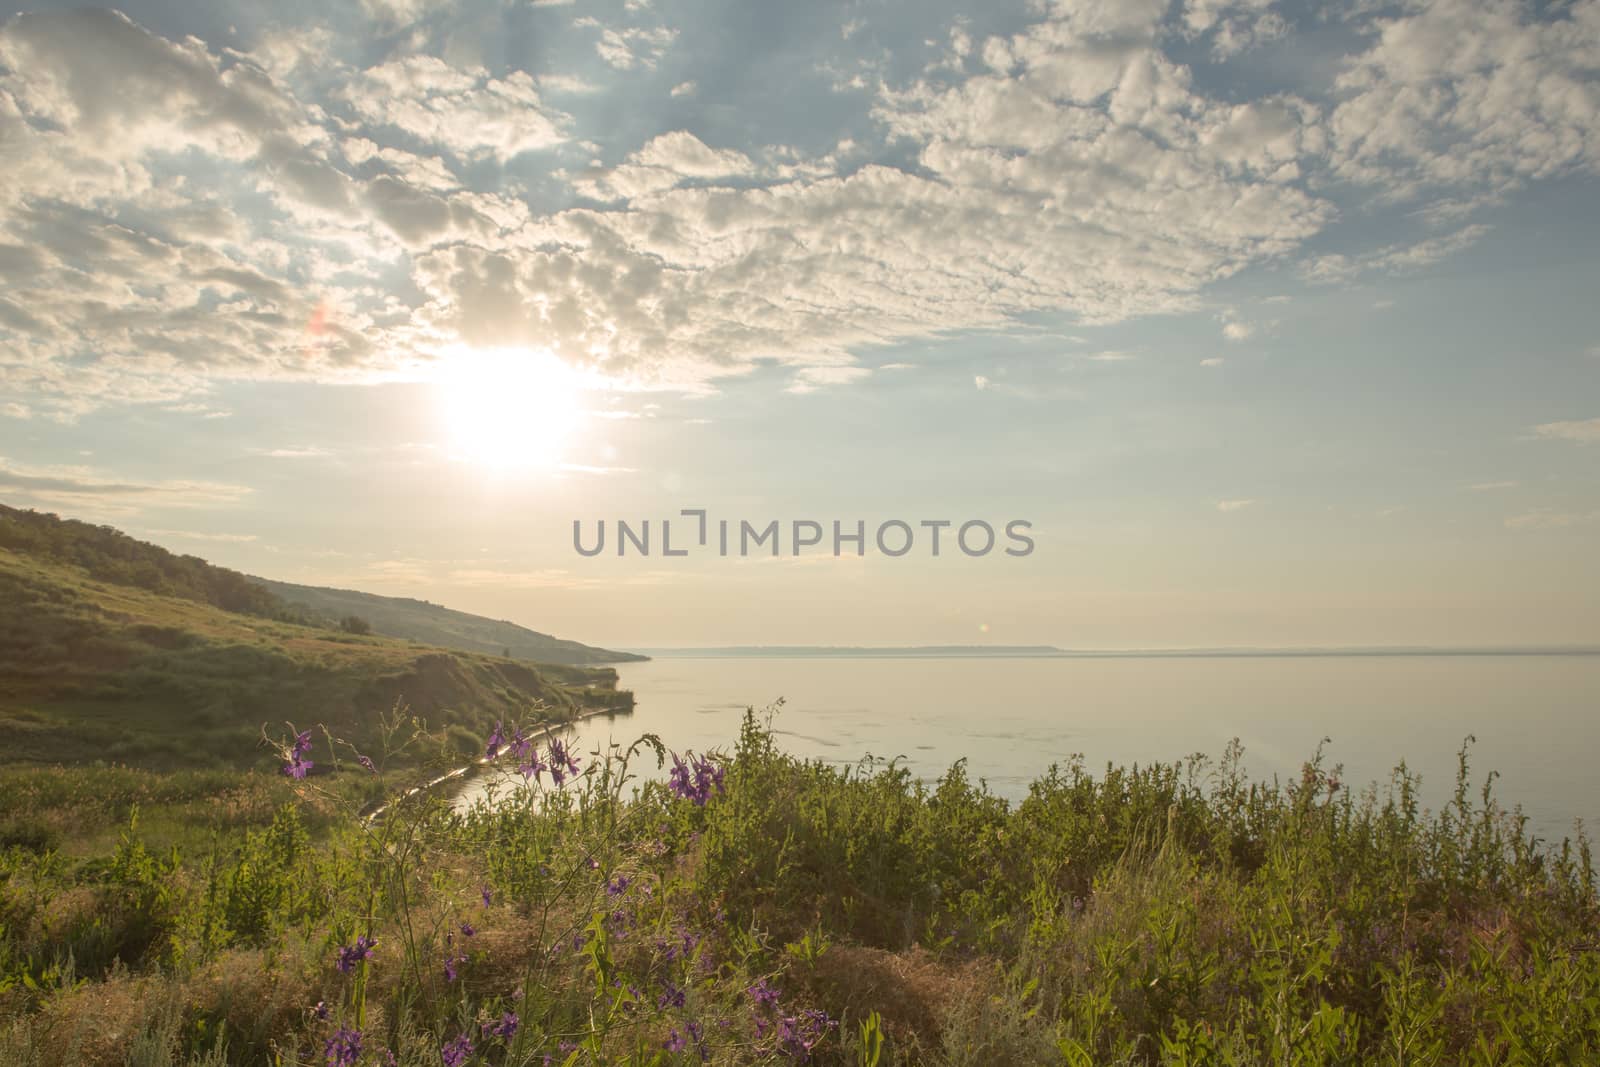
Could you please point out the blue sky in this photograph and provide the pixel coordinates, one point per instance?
(1277, 322)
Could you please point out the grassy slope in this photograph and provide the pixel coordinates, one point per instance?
(432, 624)
(95, 670)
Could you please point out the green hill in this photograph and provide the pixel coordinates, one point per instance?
(115, 650)
(431, 624)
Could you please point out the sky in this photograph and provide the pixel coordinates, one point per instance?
(1276, 323)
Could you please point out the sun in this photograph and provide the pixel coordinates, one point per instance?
(509, 408)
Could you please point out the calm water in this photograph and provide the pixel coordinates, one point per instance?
(1536, 718)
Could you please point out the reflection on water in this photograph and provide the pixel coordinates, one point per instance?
(1534, 717)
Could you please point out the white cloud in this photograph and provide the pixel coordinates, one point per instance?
(810, 379)
(172, 215)
(1487, 487)
(1237, 331)
(1586, 431)
(981, 381)
(90, 492)
(1233, 505)
(463, 111)
(1394, 258)
(1212, 361)
(1552, 520)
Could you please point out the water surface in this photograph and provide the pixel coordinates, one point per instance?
(1535, 717)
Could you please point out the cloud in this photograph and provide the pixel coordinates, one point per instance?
(307, 452)
(174, 214)
(1233, 505)
(1237, 331)
(810, 379)
(1394, 258)
(1486, 487)
(1552, 520)
(633, 46)
(191, 535)
(86, 491)
(1584, 432)
(1212, 361)
(466, 112)
(981, 381)
(1470, 96)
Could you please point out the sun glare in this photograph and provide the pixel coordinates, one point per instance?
(509, 408)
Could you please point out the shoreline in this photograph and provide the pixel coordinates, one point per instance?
(372, 812)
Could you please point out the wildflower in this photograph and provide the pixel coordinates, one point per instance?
(695, 778)
(562, 761)
(618, 885)
(675, 1042)
(799, 1034)
(697, 1034)
(366, 761)
(496, 739)
(456, 1052)
(763, 994)
(321, 1010)
(505, 1029)
(467, 930)
(519, 745)
(343, 1049)
(350, 955)
(672, 996)
(532, 766)
(592, 863)
(302, 742)
(298, 766)
(451, 965)
(487, 894)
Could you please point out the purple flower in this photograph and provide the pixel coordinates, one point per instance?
(302, 742)
(695, 778)
(618, 885)
(487, 894)
(456, 1052)
(675, 1042)
(505, 1029)
(763, 994)
(799, 1034)
(496, 739)
(671, 997)
(344, 1048)
(350, 955)
(451, 963)
(298, 766)
(532, 766)
(562, 761)
(519, 746)
(467, 930)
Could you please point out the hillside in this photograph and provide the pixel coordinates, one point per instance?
(431, 624)
(93, 669)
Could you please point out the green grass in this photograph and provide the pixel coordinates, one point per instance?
(1170, 914)
(97, 670)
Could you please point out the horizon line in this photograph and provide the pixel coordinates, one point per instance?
(1056, 652)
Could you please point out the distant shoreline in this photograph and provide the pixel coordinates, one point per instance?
(1051, 652)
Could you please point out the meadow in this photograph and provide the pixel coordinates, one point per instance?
(756, 908)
